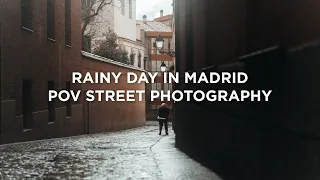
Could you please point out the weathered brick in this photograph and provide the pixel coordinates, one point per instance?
(30, 55)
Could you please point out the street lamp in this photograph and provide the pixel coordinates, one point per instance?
(163, 67)
(159, 43)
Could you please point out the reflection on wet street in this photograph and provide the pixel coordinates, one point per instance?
(132, 154)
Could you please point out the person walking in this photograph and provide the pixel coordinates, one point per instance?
(163, 116)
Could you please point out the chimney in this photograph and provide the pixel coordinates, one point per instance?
(161, 13)
(144, 18)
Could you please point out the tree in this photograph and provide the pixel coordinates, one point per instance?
(91, 9)
(93, 21)
(109, 48)
(122, 56)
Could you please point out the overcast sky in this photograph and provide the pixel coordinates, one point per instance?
(152, 8)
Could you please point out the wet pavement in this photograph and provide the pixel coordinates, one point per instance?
(132, 154)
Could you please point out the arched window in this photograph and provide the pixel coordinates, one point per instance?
(132, 57)
(122, 47)
(139, 60)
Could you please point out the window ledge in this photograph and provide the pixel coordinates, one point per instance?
(27, 130)
(51, 123)
(53, 40)
(27, 29)
(68, 46)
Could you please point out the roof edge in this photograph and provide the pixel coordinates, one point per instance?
(109, 61)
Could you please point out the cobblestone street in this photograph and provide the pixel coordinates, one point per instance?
(132, 154)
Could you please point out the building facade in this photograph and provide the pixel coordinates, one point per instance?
(119, 16)
(167, 19)
(99, 25)
(47, 35)
(125, 19)
(147, 32)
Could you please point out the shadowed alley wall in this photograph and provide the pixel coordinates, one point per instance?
(278, 139)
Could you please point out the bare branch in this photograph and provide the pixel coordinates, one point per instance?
(94, 7)
(92, 13)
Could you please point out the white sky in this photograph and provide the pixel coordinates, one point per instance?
(152, 8)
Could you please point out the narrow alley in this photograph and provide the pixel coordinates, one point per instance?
(131, 154)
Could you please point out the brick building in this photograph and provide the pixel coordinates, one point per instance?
(40, 48)
(167, 19)
(148, 31)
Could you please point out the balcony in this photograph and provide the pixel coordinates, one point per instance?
(155, 34)
(155, 55)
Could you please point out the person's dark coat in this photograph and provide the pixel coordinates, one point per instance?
(163, 112)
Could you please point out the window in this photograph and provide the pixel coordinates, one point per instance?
(154, 51)
(27, 104)
(68, 103)
(130, 9)
(166, 87)
(154, 86)
(51, 104)
(139, 60)
(159, 87)
(50, 19)
(84, 4)
(165, 44)
(122, 47)
(123, 7)
(26, 14)
(132, 58)
(68, 22)
(154, 66)
(146, 63)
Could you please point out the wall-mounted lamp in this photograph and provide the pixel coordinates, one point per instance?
(159, 43)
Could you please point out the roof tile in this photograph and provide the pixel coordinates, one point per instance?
(153, 26)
